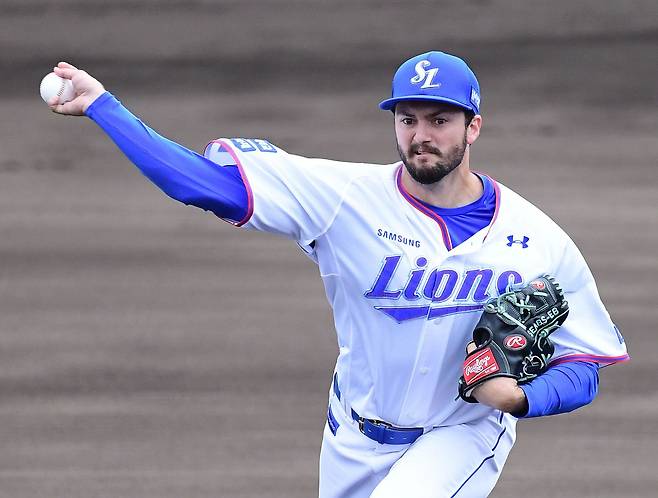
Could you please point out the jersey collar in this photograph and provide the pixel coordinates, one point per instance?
(496, 188)
(423, 209)
(435, 217)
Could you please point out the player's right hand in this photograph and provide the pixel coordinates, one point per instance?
(87, 89)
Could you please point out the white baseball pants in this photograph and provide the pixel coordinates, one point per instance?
(456, 461)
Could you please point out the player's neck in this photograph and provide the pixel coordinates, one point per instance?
(459, 188)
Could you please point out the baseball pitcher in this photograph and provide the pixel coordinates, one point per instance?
(459, 306)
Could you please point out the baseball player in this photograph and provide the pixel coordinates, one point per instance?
(409, 253)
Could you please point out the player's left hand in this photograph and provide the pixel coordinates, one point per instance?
(501, 393)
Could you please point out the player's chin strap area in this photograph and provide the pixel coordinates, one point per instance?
(378, 430)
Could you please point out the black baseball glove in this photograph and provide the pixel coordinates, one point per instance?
(511, 338)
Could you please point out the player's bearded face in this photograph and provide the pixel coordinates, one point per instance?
(426, 168)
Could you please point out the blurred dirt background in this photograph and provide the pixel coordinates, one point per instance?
(150, 350)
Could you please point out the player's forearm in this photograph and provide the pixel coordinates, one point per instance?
(181, 173)
(562, 389)
(502, 393)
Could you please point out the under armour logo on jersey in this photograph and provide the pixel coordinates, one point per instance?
(425, 76)
(512, 241)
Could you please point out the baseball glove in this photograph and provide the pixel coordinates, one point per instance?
(511, 338)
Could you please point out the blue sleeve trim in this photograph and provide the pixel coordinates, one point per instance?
(562, 388)
(179, 172)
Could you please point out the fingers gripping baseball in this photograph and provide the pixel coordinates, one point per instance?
(86, 87)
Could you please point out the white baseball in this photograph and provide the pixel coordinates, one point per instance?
(52, 85)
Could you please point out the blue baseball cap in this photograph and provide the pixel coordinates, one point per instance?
(435, 77)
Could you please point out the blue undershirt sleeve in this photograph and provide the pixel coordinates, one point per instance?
(562, 388)
(181, 173)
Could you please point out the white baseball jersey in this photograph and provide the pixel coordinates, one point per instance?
(404, 301)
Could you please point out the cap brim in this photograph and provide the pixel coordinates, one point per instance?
(389, 104)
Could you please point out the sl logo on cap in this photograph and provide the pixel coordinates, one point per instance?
(425, 76)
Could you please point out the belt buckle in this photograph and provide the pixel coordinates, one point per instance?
(375, 422)
(377, 430)
(381, 423)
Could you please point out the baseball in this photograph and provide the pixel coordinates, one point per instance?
(52, 85)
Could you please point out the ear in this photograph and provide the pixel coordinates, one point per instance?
(473, 129)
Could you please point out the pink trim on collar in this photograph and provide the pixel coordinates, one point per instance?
(426, 211)
(497, 208)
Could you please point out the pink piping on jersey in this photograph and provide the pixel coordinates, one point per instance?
(606, 360)
(496, 209)
(245, 180)
(426, 211)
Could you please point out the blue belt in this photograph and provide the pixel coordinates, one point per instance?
(380, 431)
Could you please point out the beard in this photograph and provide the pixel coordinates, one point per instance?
(431, 173)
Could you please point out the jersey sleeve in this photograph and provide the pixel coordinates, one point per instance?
(289, 195)
(588, 334)
(561, 389)
(179, 172)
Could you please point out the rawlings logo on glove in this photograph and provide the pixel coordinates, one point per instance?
(480, 365)
(511, 339)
